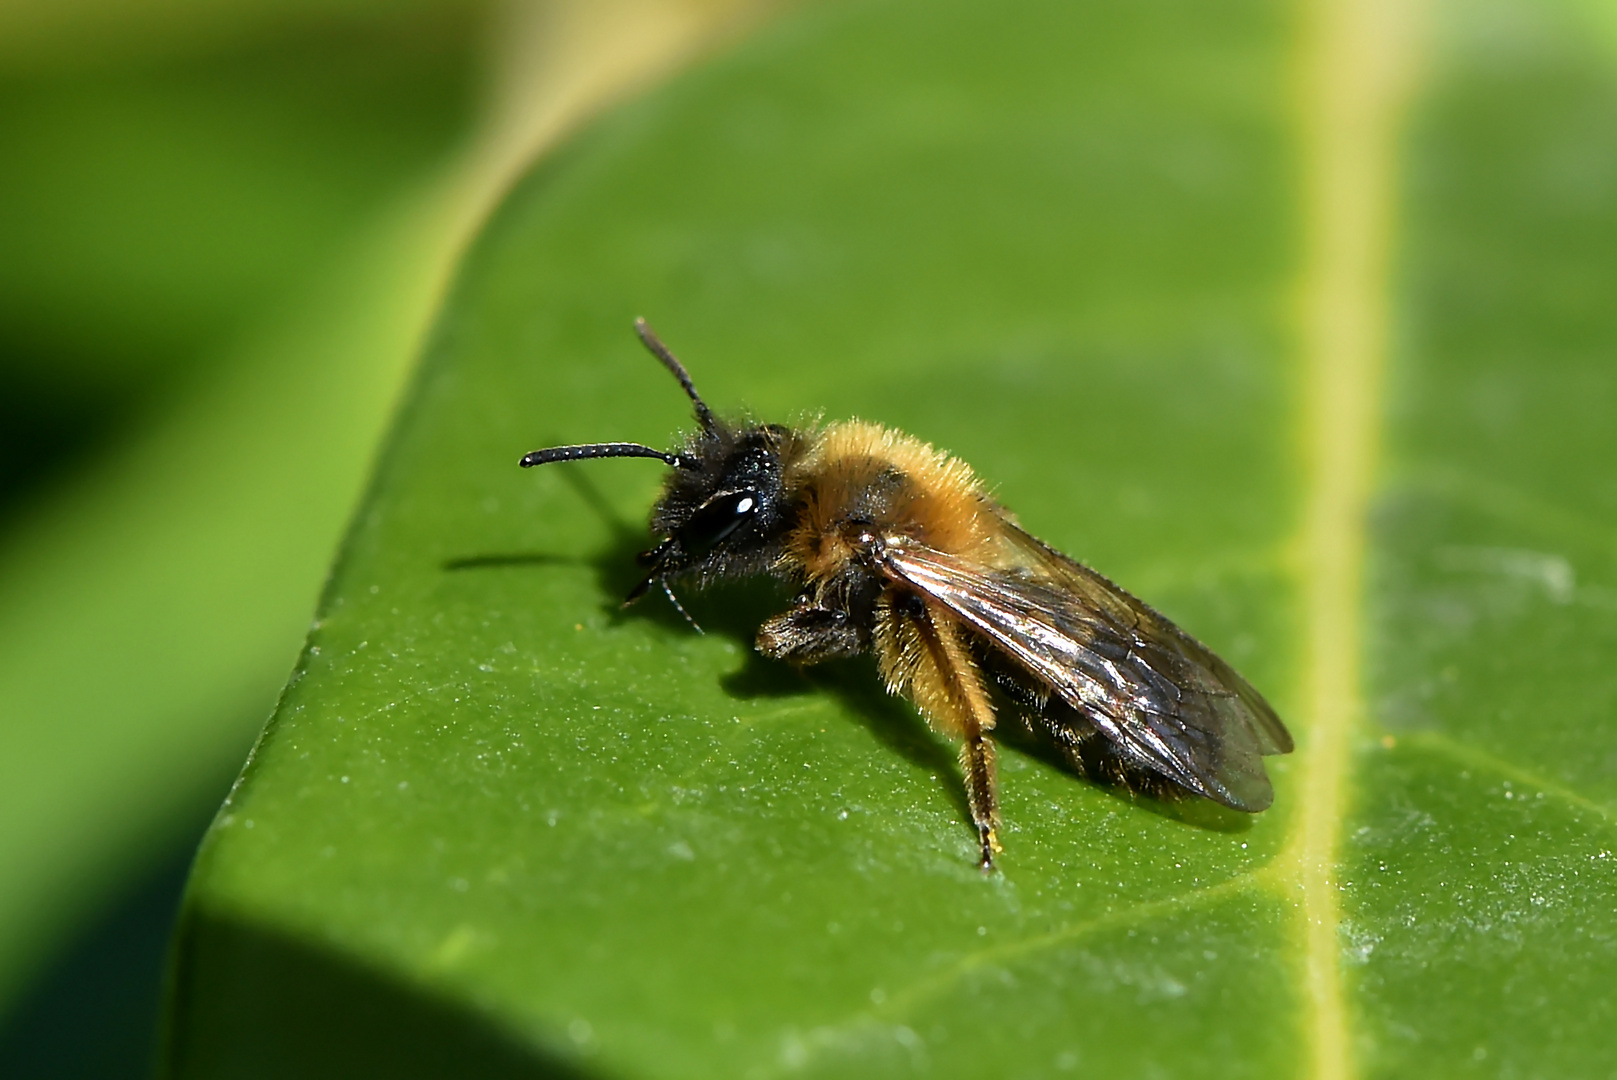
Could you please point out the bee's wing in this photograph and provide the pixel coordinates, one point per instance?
(1163, 699)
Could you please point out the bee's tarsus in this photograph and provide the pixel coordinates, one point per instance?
(988, 838)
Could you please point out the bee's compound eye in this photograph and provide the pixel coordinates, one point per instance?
(717, 518)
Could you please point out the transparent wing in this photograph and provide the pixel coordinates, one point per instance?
(1164, 700)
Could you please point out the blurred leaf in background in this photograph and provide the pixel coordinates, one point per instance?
(172, 204)
(159, 205)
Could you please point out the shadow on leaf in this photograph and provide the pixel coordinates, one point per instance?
(1160, 798)
(251, 1001)
(503, 560)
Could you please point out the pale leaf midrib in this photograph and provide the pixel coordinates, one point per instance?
(1356, 58)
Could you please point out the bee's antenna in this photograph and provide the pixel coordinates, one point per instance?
(704, 415)
(600, 449)
(656, 577)
(677, 605)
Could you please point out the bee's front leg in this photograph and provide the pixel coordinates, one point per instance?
(809, 633)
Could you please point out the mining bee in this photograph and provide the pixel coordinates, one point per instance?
(897, 549)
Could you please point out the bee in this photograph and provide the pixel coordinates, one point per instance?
(896, 548)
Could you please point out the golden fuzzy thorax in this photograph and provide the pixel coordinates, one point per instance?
(898, 482)
(856, 477)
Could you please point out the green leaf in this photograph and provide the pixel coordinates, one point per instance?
(499, 825)
(1480, 857)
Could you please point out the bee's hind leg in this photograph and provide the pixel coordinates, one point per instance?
(977, 762)
(930, 661)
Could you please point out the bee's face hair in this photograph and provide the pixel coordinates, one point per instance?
(723, 513)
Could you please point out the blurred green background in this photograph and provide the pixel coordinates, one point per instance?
(193, 199)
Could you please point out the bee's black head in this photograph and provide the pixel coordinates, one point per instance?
(722, 512)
